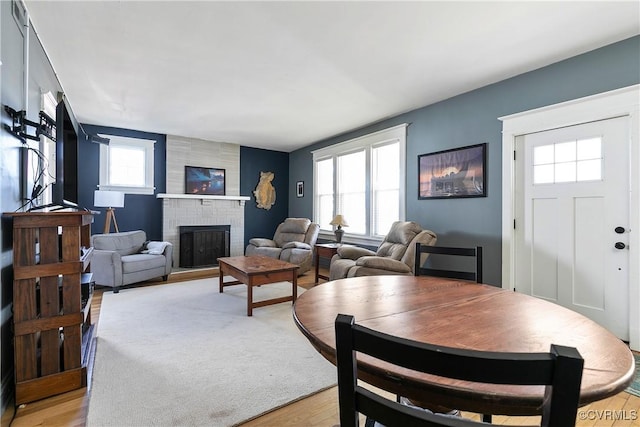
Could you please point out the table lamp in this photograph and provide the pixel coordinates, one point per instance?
(340, 222)
(109, 200)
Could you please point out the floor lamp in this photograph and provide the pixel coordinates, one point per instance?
(109, 200)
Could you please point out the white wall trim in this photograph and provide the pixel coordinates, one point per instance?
(388, 134)
(200, 196)
(616, 103)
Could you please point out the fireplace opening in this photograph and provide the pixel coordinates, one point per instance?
(202, 245)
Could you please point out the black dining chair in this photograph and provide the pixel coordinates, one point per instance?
(476, 252)
(474, 275)
(560, 371)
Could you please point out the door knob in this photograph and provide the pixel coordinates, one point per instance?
(620, 245)
(619, 230)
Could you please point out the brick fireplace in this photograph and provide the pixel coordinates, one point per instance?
(180, 209)
(183, 210)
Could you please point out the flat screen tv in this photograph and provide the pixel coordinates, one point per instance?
(65, 189)
(210, 181)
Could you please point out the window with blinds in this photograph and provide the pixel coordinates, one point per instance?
(360, 179)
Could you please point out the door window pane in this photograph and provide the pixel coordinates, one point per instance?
(565, 152)
(589, 170)
(565, 172)
(590, 149)
(543, 154)
(543, 174)
(568, 161)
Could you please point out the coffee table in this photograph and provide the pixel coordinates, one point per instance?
(255, 271)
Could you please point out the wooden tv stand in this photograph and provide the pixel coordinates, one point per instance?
(52, 323)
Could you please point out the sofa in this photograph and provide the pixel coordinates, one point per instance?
(395, 255)
(292, 242)
(123, 258)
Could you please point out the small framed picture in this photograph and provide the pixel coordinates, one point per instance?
(300, 188)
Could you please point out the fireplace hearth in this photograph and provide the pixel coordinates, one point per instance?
(202, 245)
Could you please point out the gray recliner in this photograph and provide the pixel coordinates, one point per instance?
(123, 258)
(395, 255)
(292, 242)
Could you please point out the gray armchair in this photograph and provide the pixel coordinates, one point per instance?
(123, 258)
(395, 255)
(292, 242)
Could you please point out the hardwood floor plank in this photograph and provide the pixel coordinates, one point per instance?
(319, 410)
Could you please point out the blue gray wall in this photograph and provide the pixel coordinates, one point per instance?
(472, 118)
(467, 119)
(141, 211)
(144, 212)
(260, 222)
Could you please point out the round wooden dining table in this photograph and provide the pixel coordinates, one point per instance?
(464, 315)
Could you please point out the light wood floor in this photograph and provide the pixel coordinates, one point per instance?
(70, 409)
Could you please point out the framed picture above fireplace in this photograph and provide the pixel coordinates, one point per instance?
(199, 180)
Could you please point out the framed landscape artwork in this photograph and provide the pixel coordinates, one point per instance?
(459, 172)
(208, 181)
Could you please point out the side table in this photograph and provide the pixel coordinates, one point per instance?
(324, 250)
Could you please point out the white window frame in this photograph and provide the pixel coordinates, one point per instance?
(144, 144)
(367, 142)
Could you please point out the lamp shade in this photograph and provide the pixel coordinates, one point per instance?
(339, 221)
(108, 199)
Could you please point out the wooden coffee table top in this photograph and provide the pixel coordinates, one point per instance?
(256, 271)
(469, 316)
(257, 264)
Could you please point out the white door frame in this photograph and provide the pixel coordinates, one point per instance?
(616, 103)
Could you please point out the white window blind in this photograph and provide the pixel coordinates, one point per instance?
(351, 190)
(324, 193)
(363, 180)
(386, 187)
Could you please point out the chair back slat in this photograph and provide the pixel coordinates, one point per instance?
(476, 252)
(560, 370)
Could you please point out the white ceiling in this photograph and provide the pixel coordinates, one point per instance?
(282, 75)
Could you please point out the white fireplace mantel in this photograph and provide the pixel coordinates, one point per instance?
(240, 199)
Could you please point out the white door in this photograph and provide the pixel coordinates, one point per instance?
(572, 219)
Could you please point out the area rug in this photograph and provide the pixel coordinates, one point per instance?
(634, 388)
(185, 355)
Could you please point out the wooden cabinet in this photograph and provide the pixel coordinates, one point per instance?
(52, 323)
